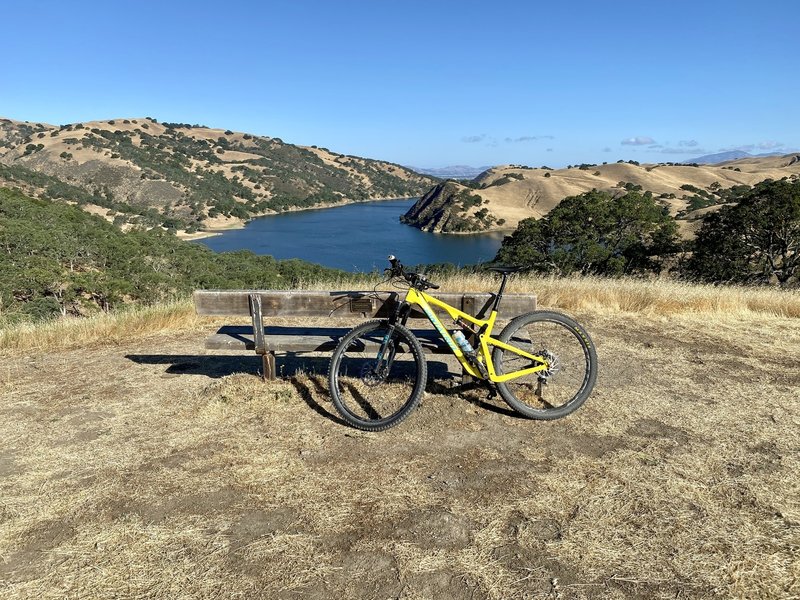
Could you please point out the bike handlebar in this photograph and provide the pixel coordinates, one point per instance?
(414, 279)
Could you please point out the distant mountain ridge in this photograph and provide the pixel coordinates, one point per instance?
(187, 177)
(721, 157)
(452, 172)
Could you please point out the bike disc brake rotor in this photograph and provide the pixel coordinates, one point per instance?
(553, 364)
(374, 373)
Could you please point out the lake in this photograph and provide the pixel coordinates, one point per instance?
(354, 237)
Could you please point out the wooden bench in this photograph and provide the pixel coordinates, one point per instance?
(335, 305)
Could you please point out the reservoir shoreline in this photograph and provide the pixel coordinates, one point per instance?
(355, 237)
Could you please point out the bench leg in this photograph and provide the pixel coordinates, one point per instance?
(268, 360)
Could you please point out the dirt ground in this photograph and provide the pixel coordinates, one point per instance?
(153, 469)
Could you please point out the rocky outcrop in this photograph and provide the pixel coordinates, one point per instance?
(450, 207)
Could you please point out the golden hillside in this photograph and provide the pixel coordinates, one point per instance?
(140, 171)
(512, 193)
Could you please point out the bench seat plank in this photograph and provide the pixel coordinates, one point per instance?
(303, 339)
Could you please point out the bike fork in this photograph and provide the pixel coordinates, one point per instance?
(401, 313)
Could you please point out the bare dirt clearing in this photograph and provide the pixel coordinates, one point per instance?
(148, 469)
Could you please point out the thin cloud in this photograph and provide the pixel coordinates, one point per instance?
(683, 150)
(606, 149)
(492, 141)
(688, 143)
(528, 138)
(770, 145)
(641, 140)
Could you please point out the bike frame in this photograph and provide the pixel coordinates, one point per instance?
(426, 301)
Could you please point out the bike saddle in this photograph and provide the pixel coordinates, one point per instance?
(507, 269)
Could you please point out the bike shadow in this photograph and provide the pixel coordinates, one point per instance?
(292, 366)
(476, 393)
(313, 386)
(309, 387)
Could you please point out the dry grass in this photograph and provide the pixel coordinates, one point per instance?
(104, 328)
(650, 297)
(245, 490)
(634, 296)
(147, 469)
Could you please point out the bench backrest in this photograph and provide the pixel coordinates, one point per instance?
(342, 304)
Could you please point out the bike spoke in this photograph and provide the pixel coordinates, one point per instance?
(370, 392)
(567, 358)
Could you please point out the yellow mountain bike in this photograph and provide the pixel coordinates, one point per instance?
(543, 363)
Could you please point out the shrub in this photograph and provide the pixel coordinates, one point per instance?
(594, 233)
(756, 240)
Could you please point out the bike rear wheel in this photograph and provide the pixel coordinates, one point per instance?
(377, 375)
(571, 358)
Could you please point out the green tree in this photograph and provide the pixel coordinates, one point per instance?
(757, 240)
(56, 259)
(594, 233)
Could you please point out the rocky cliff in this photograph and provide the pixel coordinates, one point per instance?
(451, 207)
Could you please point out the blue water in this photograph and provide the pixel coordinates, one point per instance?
(355, 237)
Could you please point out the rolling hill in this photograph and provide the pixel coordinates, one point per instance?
(187, 177)
(502, 196)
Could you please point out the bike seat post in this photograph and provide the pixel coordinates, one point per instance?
(500, 293)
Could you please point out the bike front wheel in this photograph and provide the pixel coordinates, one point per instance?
(377, 375)
(571, 365)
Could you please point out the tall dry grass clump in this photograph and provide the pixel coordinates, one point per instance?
(102, 328)
(659, 296)
(656, 296)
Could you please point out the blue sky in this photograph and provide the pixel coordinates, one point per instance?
(426, 84)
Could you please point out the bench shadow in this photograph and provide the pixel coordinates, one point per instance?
(290, 365)
(200, 364)
(215, 366)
